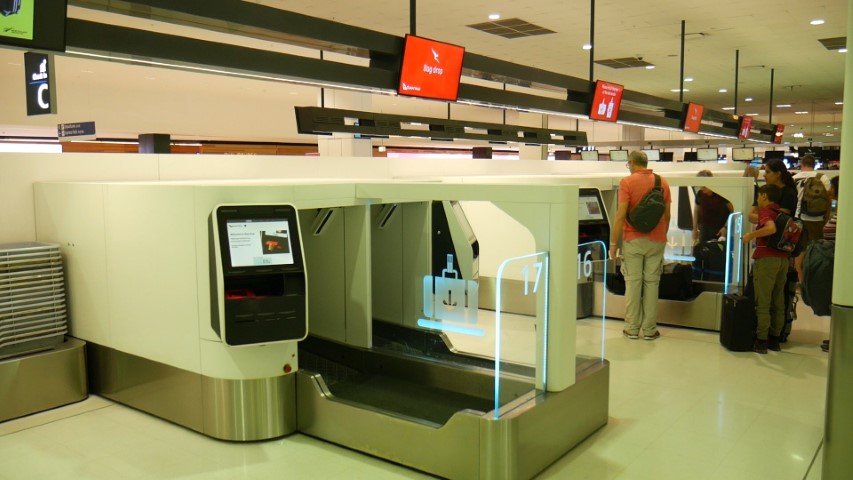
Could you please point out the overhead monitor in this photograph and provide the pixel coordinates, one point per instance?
(706, 154)
(653, 154)
(619, 155)
(33, 24)
(743, 154)
(430, 69)
(606, 101)
(667, 157)
(778, 133)
(693, 117)
(744, 127)
(589, 154)
(690, 157)
(777, 154)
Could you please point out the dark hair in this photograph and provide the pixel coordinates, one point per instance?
(834, 182)
(778, 166)
(807, 161)
(774, 193)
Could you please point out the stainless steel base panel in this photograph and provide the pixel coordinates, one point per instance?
(237, 410)
(532, 432)
(838, 428)
(44, 380)
(703, 312)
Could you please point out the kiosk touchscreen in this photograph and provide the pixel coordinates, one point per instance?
(258, 286)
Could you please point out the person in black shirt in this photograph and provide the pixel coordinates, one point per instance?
(710, 214)
(776, 173)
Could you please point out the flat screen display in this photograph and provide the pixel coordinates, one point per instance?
(619, 155)
(779, 133)
(744, 154)
(778, 154)
(589, 209)
(33, 24)
(259, 242)
(745, 127)
(693, 119)
(706, 154)
(430, 69)
(652, 154)
(606, 101)
(589, 155)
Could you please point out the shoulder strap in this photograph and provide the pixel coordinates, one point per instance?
(819, 174)
(657, 181)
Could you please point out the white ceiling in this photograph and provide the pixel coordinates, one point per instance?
(127, 100)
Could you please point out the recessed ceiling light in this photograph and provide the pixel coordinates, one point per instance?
(723, 90)
(728, 108)
(752, 114)
(650, 67)
(842, 50)
(679, 90)
(494, 16)
(800, 113)
(688, 79)
(839, 103)
(784, 105)
(817, 21)
(587, 46)
(747, 99)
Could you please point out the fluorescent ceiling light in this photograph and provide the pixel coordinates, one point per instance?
(747, 99)
(752, 114)
(728, 108)
(649, 67)
(587, 46)
(679, 90)
(688, 79)
(817, 21)
(494, 16)
(842, 50)
(839, 103)
(723, 90)
(801, 113)
(783, 105)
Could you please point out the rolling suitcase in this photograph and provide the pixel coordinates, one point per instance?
(676, 282)
(710, 263)
(738, 323)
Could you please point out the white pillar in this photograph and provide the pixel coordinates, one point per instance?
(345, 144)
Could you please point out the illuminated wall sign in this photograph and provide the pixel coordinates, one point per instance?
(780, 132)
(694, 117)
(745, 126)
(41, 96)
(33, 24)
(430, 69)
(606, 101)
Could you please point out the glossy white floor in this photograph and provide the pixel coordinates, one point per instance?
(681, 407)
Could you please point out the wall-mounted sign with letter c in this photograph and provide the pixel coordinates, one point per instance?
(40, 87)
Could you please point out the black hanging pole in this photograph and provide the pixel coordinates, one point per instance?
(681, 76)
(322, 90)
(413, 16)
(591, 41)
(772, 74)
(737, 59)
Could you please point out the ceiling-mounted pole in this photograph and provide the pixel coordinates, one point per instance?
(413, 15)
(772, 74)
(737, 60)
(322, 90)
(591, 40)
(681, 76)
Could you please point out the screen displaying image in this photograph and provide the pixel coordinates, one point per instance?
(430, 69)
(36, 24)
(606, 101)
(589, 155)
(619, 155)
(653, 154)
(259, 242)
(745, 154)
(589, 209)
(693, 118)
(706, 154)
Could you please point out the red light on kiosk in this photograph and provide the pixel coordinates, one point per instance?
(694, 117)
(745, 127)
(606, 101)
(780, 131)
(430, 69)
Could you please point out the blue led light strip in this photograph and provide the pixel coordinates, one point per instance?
(450, 327)
(605, 254)
(735, 219)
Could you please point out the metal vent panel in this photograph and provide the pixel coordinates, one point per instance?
(627, 62)
(511, 28)
(836, 43)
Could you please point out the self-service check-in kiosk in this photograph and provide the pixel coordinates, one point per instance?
(258, 275)
(593, 227)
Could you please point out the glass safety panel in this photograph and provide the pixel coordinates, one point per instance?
(591, 269)
(735, 252)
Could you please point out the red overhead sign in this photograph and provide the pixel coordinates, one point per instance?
(693, 118)
(430, 69)
(745, 127)
(780, 131)
(606, 101)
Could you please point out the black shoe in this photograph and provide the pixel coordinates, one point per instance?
(759, 346)
(773, 344)
(825, 342)
(825, 346)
